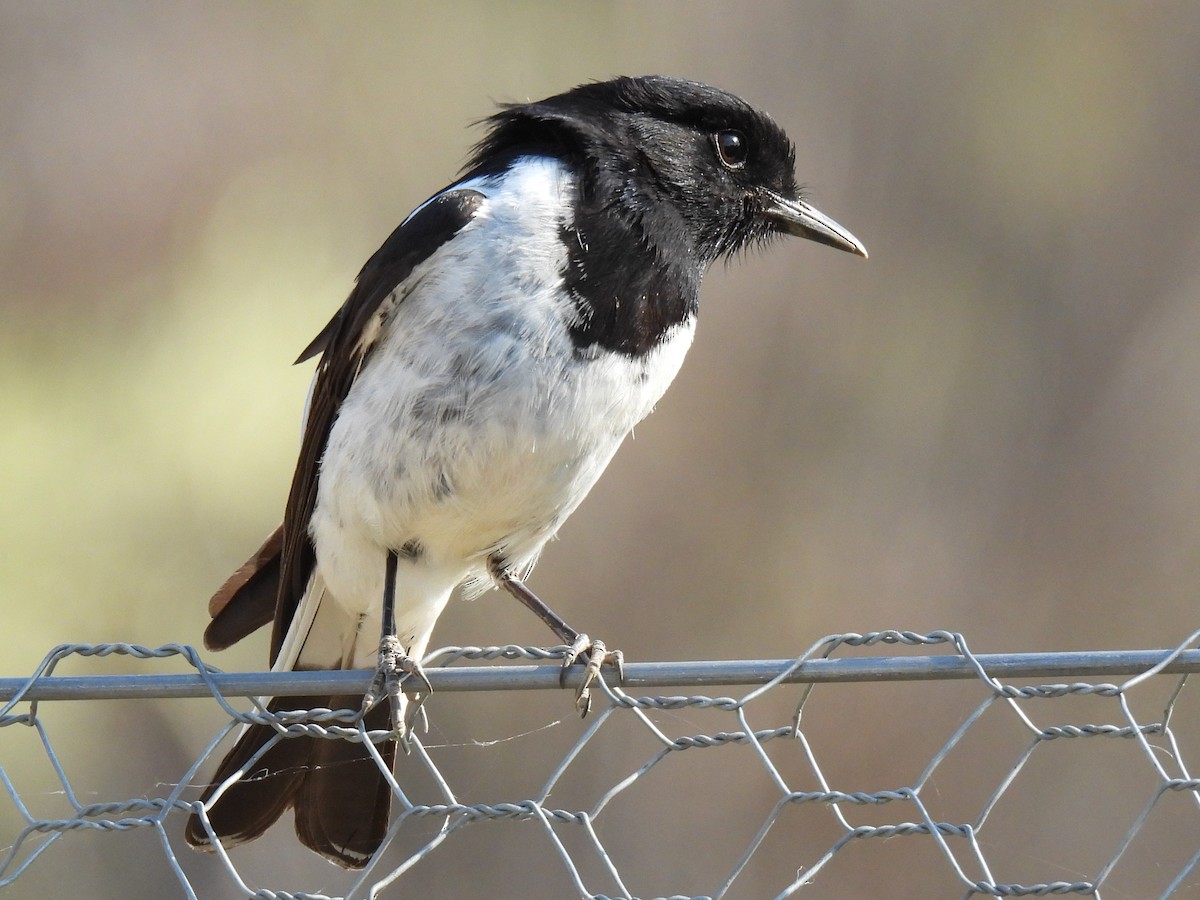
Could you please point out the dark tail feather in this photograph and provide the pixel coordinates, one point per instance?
(246, 601)
(344, 804)
(250, 806)
(342, 800)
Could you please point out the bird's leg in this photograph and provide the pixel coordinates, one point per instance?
(395, 666)
(581, 647)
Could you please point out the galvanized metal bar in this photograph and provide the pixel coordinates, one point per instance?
(683, 674)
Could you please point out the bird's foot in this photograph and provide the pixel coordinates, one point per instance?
(593, 654)
(403, 681)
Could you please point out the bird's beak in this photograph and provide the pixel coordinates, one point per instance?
(798, 218)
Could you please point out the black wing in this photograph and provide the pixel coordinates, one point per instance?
(345, 343)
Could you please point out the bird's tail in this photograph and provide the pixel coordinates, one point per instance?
(341, 797)
(340, 794)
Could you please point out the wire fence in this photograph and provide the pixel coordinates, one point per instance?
(998, 788)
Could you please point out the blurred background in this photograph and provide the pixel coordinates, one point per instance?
(989, 427)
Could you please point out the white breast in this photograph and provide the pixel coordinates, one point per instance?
(476, 426)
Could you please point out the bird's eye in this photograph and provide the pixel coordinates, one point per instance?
(732, 148)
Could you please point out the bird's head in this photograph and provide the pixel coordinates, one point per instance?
(700, 167)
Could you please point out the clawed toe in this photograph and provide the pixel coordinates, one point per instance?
(405, 684)
(593, 654)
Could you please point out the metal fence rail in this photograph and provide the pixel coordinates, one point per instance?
(779, 772)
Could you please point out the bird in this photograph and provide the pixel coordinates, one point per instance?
(491, 358)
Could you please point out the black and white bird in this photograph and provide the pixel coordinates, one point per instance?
(495, 352)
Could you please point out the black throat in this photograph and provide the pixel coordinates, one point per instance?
(632, 279)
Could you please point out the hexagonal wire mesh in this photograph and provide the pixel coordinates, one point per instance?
(746, 809)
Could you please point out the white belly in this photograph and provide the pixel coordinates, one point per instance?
(475, 427)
